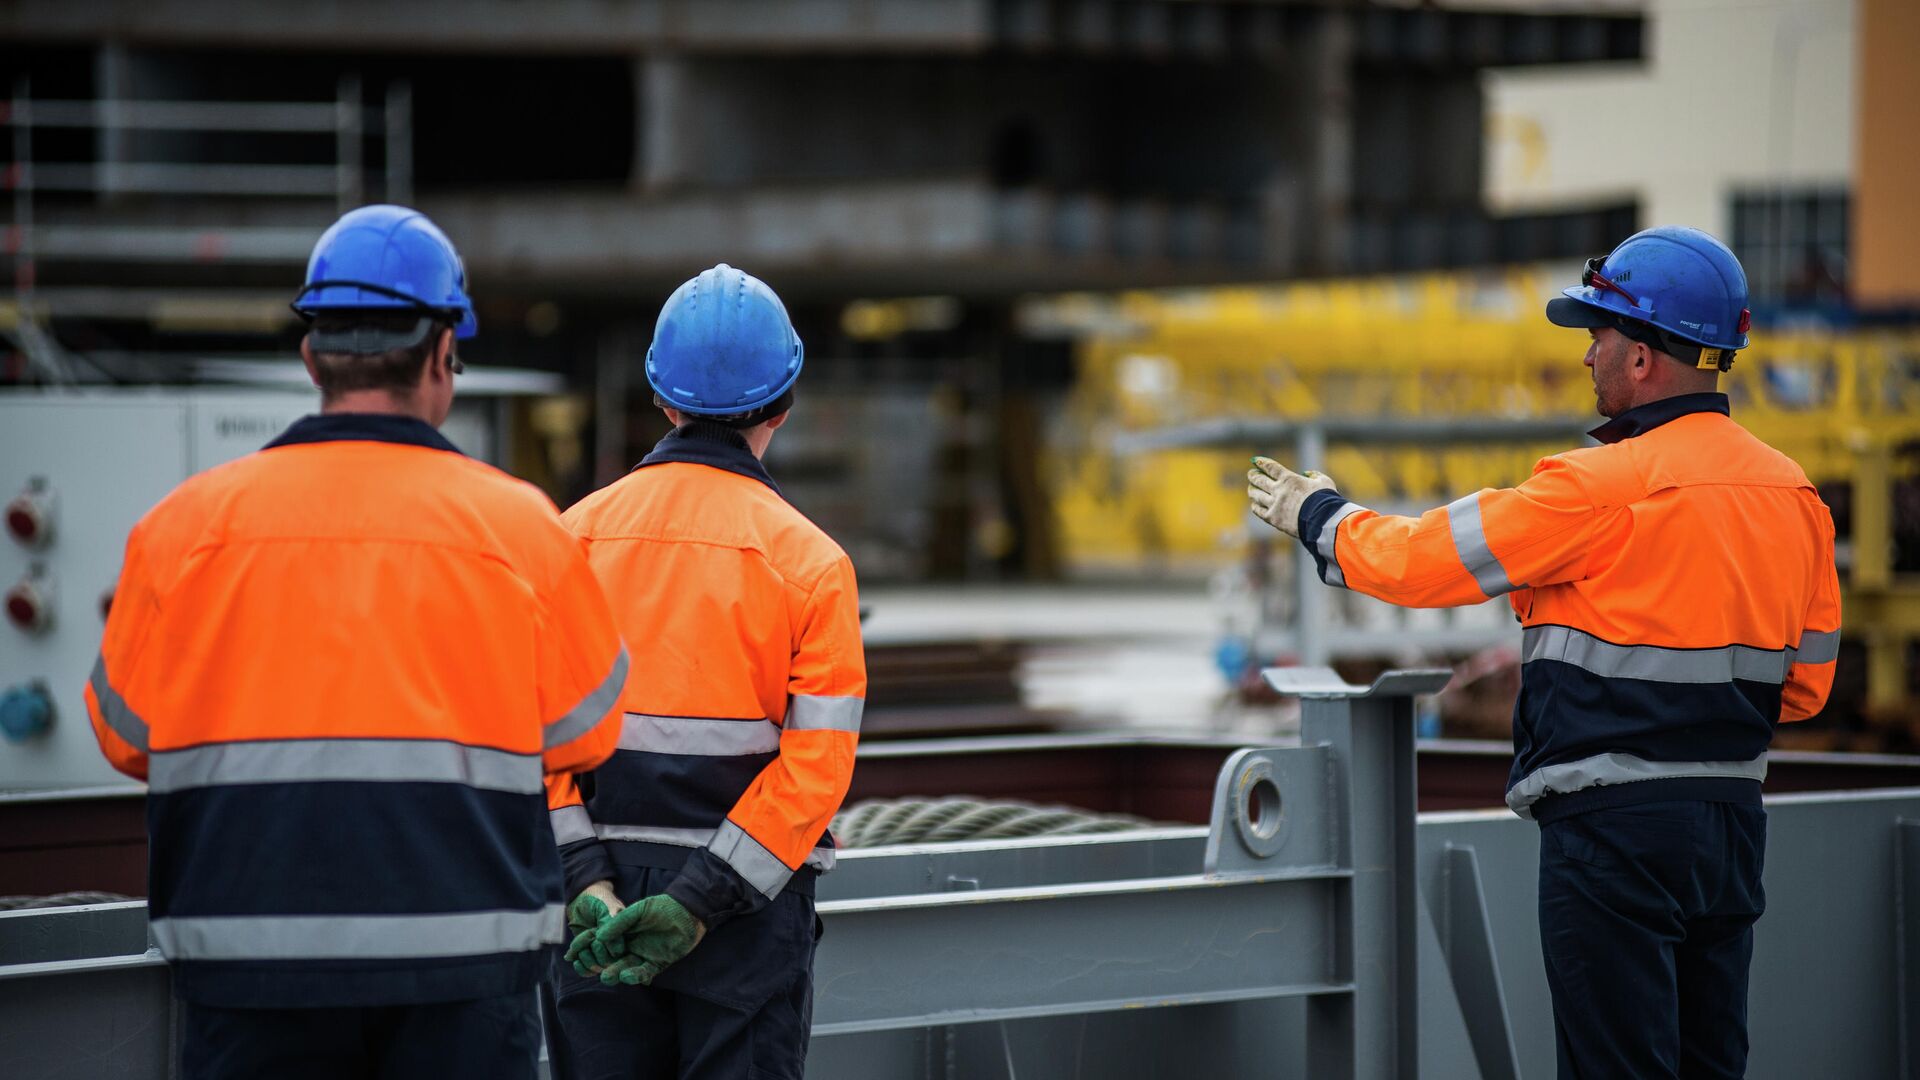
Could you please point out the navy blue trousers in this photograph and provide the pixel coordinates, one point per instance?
(738, 1007)
(497, 1037)
(1646, 920)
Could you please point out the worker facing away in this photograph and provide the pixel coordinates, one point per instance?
(1677, 588)
(693, 851)
(345, 665)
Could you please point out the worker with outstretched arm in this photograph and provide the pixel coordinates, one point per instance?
(1677, 588)
(692, 852)
(345, 665)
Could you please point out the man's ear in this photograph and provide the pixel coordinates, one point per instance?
(773, 423)
(1642, 359)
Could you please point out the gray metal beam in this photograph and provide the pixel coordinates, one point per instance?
(999, 954)
(276, 117)
(1906, 861)
(147, 178)
(566, 26)
(1467, 939)
(864, 873)
(1275, 431)
(81, 932)
(1369, 731)
(162, 243)
(1174, 28)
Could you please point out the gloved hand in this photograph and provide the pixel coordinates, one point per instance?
(592, 908)
(1276, 493)
(647, 938)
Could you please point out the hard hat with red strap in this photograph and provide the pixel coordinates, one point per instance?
(1676, 289)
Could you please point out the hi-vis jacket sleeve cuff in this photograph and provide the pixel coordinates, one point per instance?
(583, 858)
(1320, 518)
(732, 876)
(584, 862)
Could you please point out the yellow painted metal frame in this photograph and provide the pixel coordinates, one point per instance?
(1845, 406)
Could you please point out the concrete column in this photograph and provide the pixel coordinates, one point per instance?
(662, 154)
(1326, 63)
(112, 81)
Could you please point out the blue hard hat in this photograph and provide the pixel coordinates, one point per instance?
(1682, 282)
(723, 346)
(387, 259)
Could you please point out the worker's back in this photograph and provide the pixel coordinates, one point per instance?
(745, 618)
(344, 657)
(1707, 576)
(714, 570)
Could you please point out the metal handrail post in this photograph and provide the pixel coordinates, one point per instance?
(1310, 606)
(1372, 1034)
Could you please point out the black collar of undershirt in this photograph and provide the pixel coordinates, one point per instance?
(1644, 418)
(363, 427)
(702, 442)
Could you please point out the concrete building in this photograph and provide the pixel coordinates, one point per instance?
(588, 155)
(1784, 126)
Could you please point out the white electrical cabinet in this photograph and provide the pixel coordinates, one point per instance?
(77, 469)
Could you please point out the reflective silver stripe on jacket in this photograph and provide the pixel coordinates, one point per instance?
(820, 858)
(809, 712)
(570, 824)
(293, 761)
(1470, 543)
(1326, 541)
(1818, 647)
(580, 719)
(1655, 663)
(697, 736)
(359, 937)
(1605, 769)
(760, 867)
(114, 710)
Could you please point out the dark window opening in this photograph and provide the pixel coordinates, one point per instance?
(1793, 244)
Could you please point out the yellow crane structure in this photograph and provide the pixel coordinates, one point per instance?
(1146, 468)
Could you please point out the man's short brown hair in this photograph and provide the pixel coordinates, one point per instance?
(395, 370)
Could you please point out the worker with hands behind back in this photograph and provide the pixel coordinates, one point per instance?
(344, 665)
(693, 851)
(1677, 590)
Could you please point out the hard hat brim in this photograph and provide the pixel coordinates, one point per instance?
(1578, 314)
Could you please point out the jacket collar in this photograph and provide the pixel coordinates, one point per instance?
(363, 427)
(701, 442)
(1644, 418)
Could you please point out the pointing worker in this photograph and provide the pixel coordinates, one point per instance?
(741, 718)
(344, 666)
(1679, 598)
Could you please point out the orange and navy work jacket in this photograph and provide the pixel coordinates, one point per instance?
(1677, 589)
(345, 665)
(749, 679)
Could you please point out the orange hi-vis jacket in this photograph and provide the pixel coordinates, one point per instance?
(345, 665)
(1677, 589)
(748, 681)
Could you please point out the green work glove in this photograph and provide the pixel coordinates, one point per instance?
(588, 912)
(646, 938)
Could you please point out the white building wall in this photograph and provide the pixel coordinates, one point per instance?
(1734, 94)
